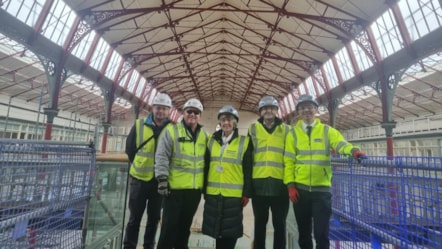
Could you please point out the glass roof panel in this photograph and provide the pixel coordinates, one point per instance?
(421, 17)
(83, 46)
(344, 64)
(387, 35)
(26, 11)
(141, 85)
(100, 53)
(310, 87)
(362, 59)
(114, 63)
(330, 73)
(58, 22)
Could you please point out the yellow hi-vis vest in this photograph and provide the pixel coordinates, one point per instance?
(142, 167)
(187, 164)
(307, 159)
(268, 151)
(225, 172)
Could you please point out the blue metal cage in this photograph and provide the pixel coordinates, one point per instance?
(45, 188)
(387, 202)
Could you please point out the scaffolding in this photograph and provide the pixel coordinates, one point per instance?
(45, 189)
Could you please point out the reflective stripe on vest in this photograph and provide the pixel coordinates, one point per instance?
(268, 159)
(142, 166)
(313, 165)
(225, 175)
(187, 165)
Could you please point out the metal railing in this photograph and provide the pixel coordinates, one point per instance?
(387, 201)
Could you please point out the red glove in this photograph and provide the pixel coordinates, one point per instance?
(293, 194)
(244, 201)
(358, 155)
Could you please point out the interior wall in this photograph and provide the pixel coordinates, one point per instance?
(210, 120)
(19, 109)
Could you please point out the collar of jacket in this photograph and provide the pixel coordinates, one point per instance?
(277, 122)
(217, 135)
(149, 120)
(198, 127)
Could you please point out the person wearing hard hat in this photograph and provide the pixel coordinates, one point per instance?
(140, 148)
(228, 180)
(308, 172)
(269, 192)
(179, 169)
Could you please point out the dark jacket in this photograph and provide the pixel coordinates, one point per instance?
(131, 140)
(223, 216)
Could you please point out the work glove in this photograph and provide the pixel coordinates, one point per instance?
(293, 194)
(163, 187)
(358, 155)
(244, 201)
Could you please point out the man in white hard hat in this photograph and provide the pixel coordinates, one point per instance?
(140, 148)
(179, 169)
(269, 192)
(308, 172)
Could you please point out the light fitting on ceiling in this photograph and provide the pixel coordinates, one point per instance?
(313, 67)
(130, 61)
(356, 29)
(90, 19)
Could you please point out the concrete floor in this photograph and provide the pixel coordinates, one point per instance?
(200, 241)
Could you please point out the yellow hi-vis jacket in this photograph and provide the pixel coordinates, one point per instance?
(226, 175)
(186, 169)
(307, 159)
(268, 160)
(142, 166)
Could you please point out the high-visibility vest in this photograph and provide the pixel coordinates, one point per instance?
(187, 164)
(268, 151)
(226, 175)
(308, 158)
(142, 166)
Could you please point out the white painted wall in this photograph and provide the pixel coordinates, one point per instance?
(22, 110)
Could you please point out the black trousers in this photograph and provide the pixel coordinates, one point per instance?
(226, 243)
(279, 205)
(142, 194)
(316, 206)
(178, 211)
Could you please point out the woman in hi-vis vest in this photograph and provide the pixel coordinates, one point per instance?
(228, 180)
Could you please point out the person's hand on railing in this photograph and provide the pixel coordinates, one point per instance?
(358, 155)
(293, 194)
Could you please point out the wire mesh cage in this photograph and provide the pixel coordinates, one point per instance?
(45, 188)
(387, 201)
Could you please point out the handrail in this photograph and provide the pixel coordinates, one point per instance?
(112, 158)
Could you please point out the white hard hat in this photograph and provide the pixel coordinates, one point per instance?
(228, 109)
(268, 101)
(162, 99)
(306, 99)
(193, 103)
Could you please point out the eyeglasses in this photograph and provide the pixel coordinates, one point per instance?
(306, 107)
(193, 111)
(226, 119)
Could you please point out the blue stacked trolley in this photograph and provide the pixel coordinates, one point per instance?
(45, 188)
